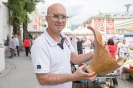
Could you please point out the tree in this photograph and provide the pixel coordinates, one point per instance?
(18, 14)
(29, 7)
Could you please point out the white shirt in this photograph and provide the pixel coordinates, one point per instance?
(47, 56)
(17, 41)
(124, 48)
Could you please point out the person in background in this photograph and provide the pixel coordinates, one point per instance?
(118, 48)
(15, 50)
(124, 48)
(12, 46)
(6, 44)
(112, 48)
(131, 45)
(17, 43)
(52, 53)
(112, 51)
(79, 46)
(27, 45)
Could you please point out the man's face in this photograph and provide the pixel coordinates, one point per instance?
(8, 36)
(56, 19)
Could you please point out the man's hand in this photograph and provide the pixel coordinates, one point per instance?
(79, 74)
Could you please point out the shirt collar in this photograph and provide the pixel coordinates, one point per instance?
(49, 39)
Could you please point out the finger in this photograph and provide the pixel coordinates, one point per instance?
(92, 73)
(82, 66)
(92, 78)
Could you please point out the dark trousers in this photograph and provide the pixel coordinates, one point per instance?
(26, 50)
(12, 53)
(80, 51)
(115, 82)
(17, 47)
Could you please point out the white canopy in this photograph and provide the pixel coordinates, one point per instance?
(85, 31)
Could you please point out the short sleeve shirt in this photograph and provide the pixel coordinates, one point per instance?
(47, 56)
(124, 48)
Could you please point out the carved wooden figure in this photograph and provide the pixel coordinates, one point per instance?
(102, 63)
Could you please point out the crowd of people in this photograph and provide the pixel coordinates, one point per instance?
(12, 45)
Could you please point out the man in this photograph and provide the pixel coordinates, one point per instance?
(12, 46)
(52, 52)
(17, 43)
(79, 46)
(6, 43)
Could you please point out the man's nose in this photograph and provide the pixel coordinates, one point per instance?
(60, 19)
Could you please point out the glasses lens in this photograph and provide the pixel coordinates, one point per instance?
(57, 17)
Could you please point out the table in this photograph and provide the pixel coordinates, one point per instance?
(111, 75)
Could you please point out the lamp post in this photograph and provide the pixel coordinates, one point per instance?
(127, 7)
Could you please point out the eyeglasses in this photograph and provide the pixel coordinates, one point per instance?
(57, 17)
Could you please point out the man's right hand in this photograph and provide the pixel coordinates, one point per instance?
(79, 74)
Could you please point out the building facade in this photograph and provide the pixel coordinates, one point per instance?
(5, 29)
(105, 22)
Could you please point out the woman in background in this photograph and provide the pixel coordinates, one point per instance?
(17, 43)
(112, 48)
(27, 45)
(112, 51)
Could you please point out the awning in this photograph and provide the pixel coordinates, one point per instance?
(128, 35)
(126, 25)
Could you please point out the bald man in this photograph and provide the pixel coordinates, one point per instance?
(52, 52)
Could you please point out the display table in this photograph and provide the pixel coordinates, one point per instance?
(111, 75)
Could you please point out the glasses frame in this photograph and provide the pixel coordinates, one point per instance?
(60, 17)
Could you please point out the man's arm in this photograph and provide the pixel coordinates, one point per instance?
(53, 79)
(81, 58)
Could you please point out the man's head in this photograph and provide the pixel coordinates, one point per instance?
(56, 17)
(8, 35)
(124, 41)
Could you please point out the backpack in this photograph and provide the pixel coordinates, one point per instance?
(6, 43)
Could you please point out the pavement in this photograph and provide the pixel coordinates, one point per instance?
(19, 74)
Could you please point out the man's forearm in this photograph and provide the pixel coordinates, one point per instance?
(52, 79)
(81, 58)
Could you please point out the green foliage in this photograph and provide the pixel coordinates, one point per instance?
(17, 11)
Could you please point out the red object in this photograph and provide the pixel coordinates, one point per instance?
(112, 51)
(26, 43)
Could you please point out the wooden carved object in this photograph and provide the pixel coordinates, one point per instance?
(102, 63)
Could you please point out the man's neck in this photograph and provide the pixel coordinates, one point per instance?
(55, 36)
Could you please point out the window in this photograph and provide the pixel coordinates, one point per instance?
(110, 25)
(102, 24)
(110, 31)
(107, 25)
(96, 19)
(43, 20)
(42, 12)
(96, 24)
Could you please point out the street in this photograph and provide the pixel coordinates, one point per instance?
(19, 74)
